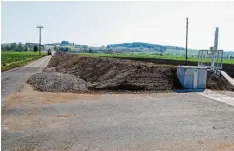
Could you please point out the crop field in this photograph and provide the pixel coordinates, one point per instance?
(150, 56)
(16, 59)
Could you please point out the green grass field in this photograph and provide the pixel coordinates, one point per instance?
(12, 59)
(169, 57)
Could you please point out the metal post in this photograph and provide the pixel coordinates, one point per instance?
(201, 63)
(202, 58)
(186, 56)
(222, 61)
(198, 63)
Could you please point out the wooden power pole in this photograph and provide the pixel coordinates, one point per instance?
(186, 56)
(40, 27)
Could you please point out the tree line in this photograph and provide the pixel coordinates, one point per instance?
(61, 49)
(21, 47)
(139, 45)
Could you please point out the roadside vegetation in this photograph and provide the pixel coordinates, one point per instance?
(12, 59)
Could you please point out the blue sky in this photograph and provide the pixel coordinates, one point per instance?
(102, 23)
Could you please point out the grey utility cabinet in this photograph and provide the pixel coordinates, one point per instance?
(192, 77)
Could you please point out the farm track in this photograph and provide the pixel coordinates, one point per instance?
(14, 79)
(49, 121)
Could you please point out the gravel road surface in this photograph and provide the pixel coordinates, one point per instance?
(34, 120)
(14, 79)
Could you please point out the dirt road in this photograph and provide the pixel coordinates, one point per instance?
(14, 79)
(34, 120)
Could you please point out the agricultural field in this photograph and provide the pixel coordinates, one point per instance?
(10, 59)
(150, 56)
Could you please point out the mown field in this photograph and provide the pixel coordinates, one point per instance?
(10, 59)
(168, 57)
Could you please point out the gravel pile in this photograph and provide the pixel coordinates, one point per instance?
(57, 82)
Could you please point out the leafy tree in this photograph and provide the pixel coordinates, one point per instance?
(42, 47)
(7, 47)
(35, 48)
(30, 46)
(19, 47)
(26, 48)
(110, 51)
(62, 49)
(65, 49)
(3, 47)
(65, 43)
(55, 48)
(91, 50)
(13, 46)
(85, 48)
(102, 48)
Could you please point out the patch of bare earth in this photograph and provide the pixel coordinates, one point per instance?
(217, 145)
(29, 96)
(103, 74)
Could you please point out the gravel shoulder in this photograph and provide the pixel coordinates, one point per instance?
(14, 79)
(33, 120)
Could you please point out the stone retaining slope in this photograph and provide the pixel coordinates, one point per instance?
(225, 75)
(227, 99)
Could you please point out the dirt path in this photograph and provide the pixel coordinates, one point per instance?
(150, 121)
(14, 79)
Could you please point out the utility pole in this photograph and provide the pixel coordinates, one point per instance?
(186, 56)
(40, 27)
(215, 48)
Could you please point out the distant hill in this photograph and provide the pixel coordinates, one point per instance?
(141, 45)
(52, 44)
(63, 43)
